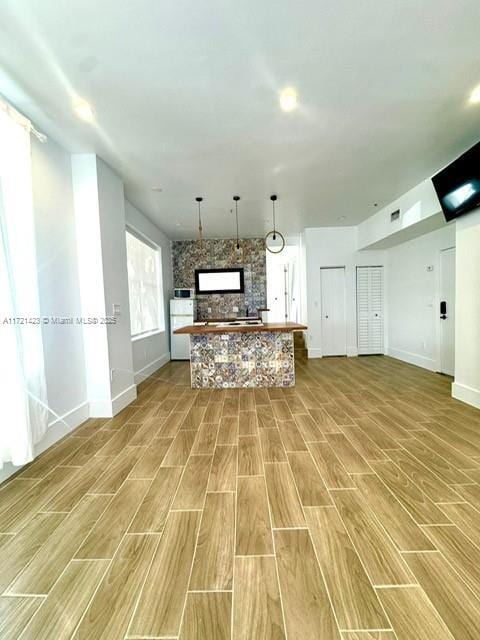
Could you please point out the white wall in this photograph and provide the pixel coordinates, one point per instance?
(153, 351)
(59, 295)
(58, 280)
(333, 247)
(114, 258)
(413, 296)
(467, 310)
(420, 212)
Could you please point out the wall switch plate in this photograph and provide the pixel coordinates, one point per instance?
(116, 309)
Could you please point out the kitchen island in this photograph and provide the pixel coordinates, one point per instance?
(241, 354)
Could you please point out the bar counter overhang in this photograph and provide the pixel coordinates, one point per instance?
(242, 356)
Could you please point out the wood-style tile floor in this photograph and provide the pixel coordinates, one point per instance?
(347, 508)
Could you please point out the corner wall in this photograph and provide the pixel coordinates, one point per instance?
(333, 247)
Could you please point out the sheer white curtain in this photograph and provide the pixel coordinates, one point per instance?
(23, 395)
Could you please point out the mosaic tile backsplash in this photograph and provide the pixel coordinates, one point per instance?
(249, 359)
(188, 255)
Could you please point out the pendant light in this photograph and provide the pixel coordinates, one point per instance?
(274, 233)
(236, 199)
(200, 228)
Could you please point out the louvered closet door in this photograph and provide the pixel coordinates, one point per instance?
(370, 310)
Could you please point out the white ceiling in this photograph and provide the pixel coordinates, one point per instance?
(186, 98)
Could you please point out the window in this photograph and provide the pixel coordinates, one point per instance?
(144, 286)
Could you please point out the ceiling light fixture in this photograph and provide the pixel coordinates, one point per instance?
(475, 96)
(274, 233)
(200, 228)
(236, 199)
(84, 110)
(288, 99)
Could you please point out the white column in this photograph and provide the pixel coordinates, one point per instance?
(100, 228)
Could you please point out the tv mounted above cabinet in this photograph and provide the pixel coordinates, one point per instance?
(209, 281)
(458, 185)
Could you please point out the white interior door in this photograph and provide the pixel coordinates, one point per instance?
(334, 326)
(370, 310)
(447, 311)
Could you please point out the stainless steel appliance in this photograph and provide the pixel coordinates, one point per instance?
(183, 294)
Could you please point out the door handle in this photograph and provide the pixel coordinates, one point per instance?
(443, 316)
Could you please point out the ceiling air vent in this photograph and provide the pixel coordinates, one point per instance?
(395, 215)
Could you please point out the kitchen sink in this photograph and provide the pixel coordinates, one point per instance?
(237, 323)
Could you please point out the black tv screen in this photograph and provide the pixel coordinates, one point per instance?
(218, 281)
(458, 185)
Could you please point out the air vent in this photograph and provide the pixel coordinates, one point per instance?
(395, 215)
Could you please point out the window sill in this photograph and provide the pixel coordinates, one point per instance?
(141, 336)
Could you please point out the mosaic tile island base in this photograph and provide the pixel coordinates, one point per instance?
(243, 359)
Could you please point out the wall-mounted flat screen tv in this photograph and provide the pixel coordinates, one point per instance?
(458, 185)
(218, 281)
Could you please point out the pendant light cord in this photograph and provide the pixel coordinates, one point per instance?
(236, 219)
(273, 198)
(199, 200)
(236, 199)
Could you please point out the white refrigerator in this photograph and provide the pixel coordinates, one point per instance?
(182, 313)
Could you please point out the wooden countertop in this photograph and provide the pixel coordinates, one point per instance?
(268, 326)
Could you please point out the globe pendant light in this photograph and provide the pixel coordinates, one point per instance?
(200, 228)
(236, 199)
(274, 233)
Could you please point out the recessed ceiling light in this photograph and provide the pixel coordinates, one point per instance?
(288, 99)
(157, 189)
(83, 110)
(475, 96)
(341, 218)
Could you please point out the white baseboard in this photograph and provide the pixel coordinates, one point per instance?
(145, 372)
(100, 409)
(317, 353)
(72, 418)
(110, 408)
(57, 429)
(466, 394)
(124, 398)
(412, 358)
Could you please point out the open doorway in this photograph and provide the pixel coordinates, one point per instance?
(283, 285)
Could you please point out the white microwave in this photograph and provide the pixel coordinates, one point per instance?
(182, 294)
